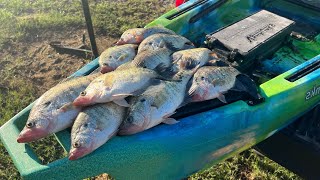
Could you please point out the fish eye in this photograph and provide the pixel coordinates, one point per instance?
(142, 100)
(150, 43)
(85, 125)
(83, 93)
(105, 64)
(110, 57)
(76, 145)
(202, 78)
(30, 124)
(130, 119)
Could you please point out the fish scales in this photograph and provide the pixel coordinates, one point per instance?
(221, 76)
(156, 104)
(115, 86)
(211, 82)
(136, 35)
(172, 42)
(115, 56)
(151, 59)
(190, 58)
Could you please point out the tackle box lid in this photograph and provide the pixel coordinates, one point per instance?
(252, 31)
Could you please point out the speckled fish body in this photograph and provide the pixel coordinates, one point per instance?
(115, 86)
(93, 127)
(155, 105)
(190, 58)
(115, 56)
(172, 42)
(137, 35)
(211, 82)
(152, 59)
(54, 111)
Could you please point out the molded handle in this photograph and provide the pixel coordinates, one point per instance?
(22, 154)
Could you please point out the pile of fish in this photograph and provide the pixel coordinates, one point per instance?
(144, 79)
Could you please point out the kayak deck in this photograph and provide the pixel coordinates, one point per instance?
(207, 132)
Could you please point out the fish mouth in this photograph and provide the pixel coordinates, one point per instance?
(106, 69)
(120, 42)
(28, 135)
(77, 153)
(83, 101)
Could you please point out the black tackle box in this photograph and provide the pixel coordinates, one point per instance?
(254, 37)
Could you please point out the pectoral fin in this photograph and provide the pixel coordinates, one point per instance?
(121, 96)
(67, 107)
(176, 58)
(170, 121)
(162, 44)
(246, 84)
(222, 98)
(122, 102)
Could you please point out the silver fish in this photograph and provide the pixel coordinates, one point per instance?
(153, 59)
(113, 57)
(137, 35)
(156, 105)
(172, 42)
(54, 111)
(115, 86)
(211, 82)
(93, 127)
(190, 58)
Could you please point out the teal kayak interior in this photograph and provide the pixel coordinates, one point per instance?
(210, 16)
(300, 46)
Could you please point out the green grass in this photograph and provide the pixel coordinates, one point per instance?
(247, 165)
(15, 95)
(21, 20)
(13, 98)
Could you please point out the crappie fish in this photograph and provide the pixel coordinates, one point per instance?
(211, 82)
(115, 86)
(113, 57)
(137, 35)
(153, 59)
(156, 105)
(190, 58)
(93, 127)
(172, 42)
(54, 110)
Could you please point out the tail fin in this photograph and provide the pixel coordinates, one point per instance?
(246, 84)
